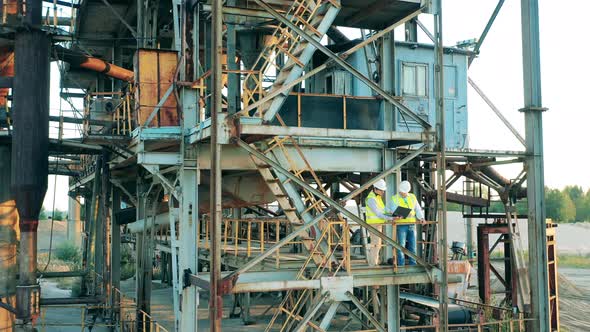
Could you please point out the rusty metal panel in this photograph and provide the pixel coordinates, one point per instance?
(154, 71)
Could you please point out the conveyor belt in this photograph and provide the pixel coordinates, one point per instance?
(457, 314)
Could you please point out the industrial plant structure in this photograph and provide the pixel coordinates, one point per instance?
(230, 146)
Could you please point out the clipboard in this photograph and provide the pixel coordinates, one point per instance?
(402, 212)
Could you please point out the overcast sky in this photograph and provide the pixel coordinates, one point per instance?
(498, 71)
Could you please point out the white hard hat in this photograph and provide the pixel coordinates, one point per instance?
(405, 187)
(381, 185)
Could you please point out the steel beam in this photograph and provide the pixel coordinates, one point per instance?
(366, 312)
(496, 110)
(117, 15)
(485, 31)
(215, 220)
(441, 181)
(533, 116)
(317, 305)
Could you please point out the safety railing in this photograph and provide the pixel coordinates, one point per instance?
(250, 237)
(122, 116)
(200, 84)
(423, 243)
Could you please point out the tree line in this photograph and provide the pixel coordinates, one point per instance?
(57, 214)
(570, 204)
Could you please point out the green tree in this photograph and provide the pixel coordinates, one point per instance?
(583, 208)
(567, 209)
(553, 200)
(574, 192)
(43, 214)
(578, 196)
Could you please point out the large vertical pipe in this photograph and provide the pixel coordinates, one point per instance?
(8, 241)
(29, 152)
(74, 222)
(441, 197)
(533, 116)
(215, 302)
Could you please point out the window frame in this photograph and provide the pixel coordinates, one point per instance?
(414, 66)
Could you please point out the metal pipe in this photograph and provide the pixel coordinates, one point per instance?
(29, 150)
(65, 274)
(70, 300)
(81, 60)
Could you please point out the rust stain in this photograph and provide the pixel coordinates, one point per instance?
(155, 71)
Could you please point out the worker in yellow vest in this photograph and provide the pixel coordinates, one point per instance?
(406, 227)
(375, 215)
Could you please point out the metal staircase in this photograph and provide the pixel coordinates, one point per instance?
(323, 243)
(315, 18)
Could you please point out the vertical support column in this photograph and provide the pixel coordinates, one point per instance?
(140, 23)
(100, 226)
(92, 222)
(411, 28)
(8, 241)
(389, 158)
(216, 302)
(483, 264)
(117, 60)
(189, 181)
(441, 197)
(86, 241)
(74, 222)
(469, 229)
(142, 283)
(510, 274)
(533, 117)
(115, 261)
(233, 79)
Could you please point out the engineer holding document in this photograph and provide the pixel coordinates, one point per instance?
(376, 216)
(406, 226)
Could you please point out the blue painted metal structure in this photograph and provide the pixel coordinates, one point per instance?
(407, 55)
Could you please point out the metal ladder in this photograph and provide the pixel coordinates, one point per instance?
(313, 17)
(518, 261)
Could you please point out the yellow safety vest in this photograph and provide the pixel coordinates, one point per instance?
(370, 215)
(411, 203)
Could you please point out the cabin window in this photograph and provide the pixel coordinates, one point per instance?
(414, 79)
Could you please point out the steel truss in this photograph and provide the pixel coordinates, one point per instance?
(212, 130)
